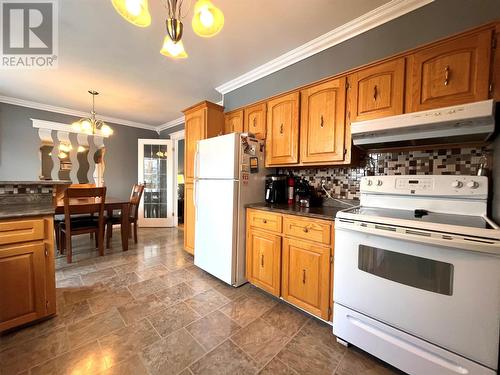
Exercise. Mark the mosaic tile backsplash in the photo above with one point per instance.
(343, 183)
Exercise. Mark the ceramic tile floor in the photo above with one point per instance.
(151, 311)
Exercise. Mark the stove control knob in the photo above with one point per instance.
(369, 182)
(457, 184)
(472, 184)
(379, 182)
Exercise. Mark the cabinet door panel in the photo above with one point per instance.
(306, 276)
(22, 276)
(195, 130)
(283, 130)
(453, 72)
(377, 91)
(189, 218)
(233, 122)
(264, 260)
(255, 120)
(322, 128)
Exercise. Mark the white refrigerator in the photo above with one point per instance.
(229, 173)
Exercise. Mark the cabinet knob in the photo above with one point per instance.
(321, 124)
(264, 221)
(306, 230)
(375, 93)
(446, 75)
(281, 129)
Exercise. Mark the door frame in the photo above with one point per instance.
(160, 222)
(175, 137)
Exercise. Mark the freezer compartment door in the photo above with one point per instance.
(215, 227)
(218, 157)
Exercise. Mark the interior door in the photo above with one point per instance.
(156, 170)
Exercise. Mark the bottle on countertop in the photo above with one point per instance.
(291, 188)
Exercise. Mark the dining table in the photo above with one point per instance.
(110, 204)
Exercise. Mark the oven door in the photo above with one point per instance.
(446, 296)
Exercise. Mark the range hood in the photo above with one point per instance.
(472, 122)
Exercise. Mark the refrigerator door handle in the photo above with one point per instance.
(196, 162)
(195, 197)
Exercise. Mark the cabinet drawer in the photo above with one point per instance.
(264, 220)
(21, 231)
(307, 229)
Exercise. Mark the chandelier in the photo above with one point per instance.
(91, 125)
(207, 21)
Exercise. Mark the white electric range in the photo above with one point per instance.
(417, 274)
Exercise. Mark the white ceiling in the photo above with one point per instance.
(100, 50)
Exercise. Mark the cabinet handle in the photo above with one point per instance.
(281, 129)
(446, 75)
(321, 124)
(375, 93)
(306, 230)
(254, 122)
(303, 276)
(262, 260)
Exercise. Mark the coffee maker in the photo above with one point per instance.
(276, 188)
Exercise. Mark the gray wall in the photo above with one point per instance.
(436, 20)
(19, 146)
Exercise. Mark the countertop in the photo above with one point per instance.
(37, 182)
(321, 212)
(15, 211)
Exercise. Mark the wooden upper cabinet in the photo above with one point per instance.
(263, 252)
(322, 127)
(194, 131)
(202, 121)
(377, 91)
(282, 142)
(233, 122)
(453, 72)
(254, 120)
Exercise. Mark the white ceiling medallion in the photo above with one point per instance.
(71, 112)
(368, 21)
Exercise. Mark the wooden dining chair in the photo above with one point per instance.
(74, 224)
(135, 200)
(60, 219)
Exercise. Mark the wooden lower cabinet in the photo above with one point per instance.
(189, 218)
(293, 260)
(27, 276)
(263, 252)
(306, 276)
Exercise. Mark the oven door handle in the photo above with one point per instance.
(486, 246)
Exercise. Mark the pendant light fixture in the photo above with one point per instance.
(134, 11)
(208, 20)
(91, 125)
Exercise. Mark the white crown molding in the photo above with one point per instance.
(71, 112)
(170, 124)
(57, 126)
(368, 21)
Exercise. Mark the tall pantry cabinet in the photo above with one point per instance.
(203, 120)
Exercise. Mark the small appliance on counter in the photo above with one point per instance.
(276, 188)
